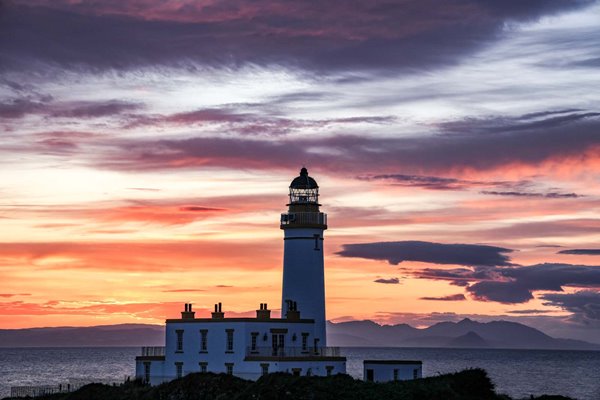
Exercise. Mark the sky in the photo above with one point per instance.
(147, 148)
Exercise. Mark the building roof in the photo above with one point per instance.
(304, 181)
(392, 362)
(230, 320)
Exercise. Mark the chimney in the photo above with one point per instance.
(218, 313)
(264, 312)
(188, 313)
(292, 311)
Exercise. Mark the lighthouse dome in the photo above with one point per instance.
(303, 181)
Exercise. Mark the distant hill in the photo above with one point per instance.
(93, 336)
(466, 333)
(470, 339)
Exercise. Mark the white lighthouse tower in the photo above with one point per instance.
(303, 267)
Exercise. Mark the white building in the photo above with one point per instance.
(250, 347)
(392, 370)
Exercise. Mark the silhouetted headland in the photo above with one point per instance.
(472, 384)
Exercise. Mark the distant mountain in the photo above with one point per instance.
(470, 339)
(466, 333)
(93, 336)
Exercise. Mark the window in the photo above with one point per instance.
(229, 368)
(204, 340)
(179, 347)
(147, 372)
(305, 341)
(265, 368)
(415, 373)
(253, 341)
(203, 366)
(178, 369)
(395, 374)
(317, 238)
(229, 340)
(329, 369)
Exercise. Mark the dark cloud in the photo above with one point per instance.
(436, 253)
(549, 195)
(475, 147)
(428, 182)
(516, 284)
(200, 209)
(584, 303)
(452, 297)
(529, 312)
(587, 252)
(393, 281)
(90, 109)
(21, 107)
(243, 119)
(18, 108)
(317, 35)
(445, 183)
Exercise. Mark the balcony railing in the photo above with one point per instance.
(153, 351)
(303, 218)
(283, 352)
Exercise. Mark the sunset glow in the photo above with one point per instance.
(146, 154)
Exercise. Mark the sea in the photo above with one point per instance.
(517, 373)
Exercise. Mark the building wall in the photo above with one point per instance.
(385, 372)
(217, 355)
(304, 276)
(157, 375)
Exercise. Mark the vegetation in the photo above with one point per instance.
(471, 384)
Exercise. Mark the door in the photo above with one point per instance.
(278, 344)
(370, 375)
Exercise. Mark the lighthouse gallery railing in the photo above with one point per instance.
(304, 218)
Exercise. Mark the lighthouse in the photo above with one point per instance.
(303, 266)
(250, 347)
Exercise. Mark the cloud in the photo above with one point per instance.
(200, 209)
(452, 297)
(549, 195)
(7, 295)
(428, 182)
(46, 106)
(392, 281)
(587, 252)
(151, 257)
(512, 285)
(444, 183)
(471, 145)
(260, 120)
(182, 290)
(564, 228)
(584, 304)
(320, 36)
(436, 253)
(529, 312)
